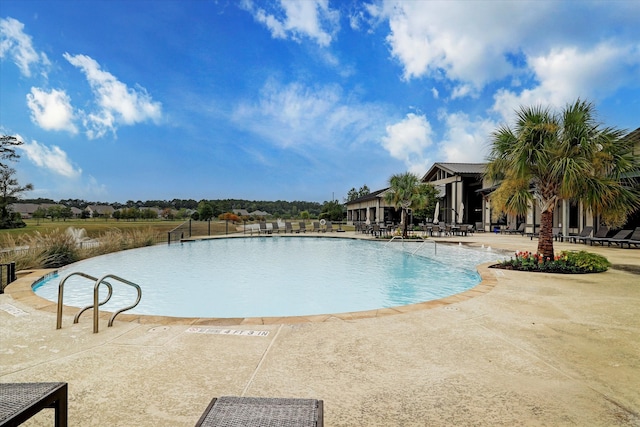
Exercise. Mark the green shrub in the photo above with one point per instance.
(565, 262)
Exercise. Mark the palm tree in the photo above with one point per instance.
(548, 157)
(405, 191)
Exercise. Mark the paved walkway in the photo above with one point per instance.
(536, 349)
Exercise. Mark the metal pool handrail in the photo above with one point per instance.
(61, 294)
(96, 305)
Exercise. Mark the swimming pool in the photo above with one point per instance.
(274, 276)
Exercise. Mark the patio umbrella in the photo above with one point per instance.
(460, 212)
(436, 213)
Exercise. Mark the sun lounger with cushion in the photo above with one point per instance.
(231, 411)
(620, 235)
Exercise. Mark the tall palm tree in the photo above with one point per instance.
(405, 191)
(548, 157)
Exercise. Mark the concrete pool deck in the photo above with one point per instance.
(533, 349)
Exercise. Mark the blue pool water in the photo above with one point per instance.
(275, 276)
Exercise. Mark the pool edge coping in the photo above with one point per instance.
(22, 291)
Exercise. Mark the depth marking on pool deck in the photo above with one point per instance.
(13, 310)
(238, 332)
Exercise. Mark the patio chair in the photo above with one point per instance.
(316, 226)
(275, 228)
(479, 227)
(556, 233)
(622, 234)
(328, 227)
(287, 227)
(586, 232)
(600, 234)
(634, 239)
(262, 411)
(303, 227)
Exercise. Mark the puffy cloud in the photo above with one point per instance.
(51, 158)
(51, 110)
(295, 19)
(466, 139)
(565, 74)
(14, 43)
(408, 140)
(462, 41)
(118, 103)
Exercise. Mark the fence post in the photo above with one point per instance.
(12, 268)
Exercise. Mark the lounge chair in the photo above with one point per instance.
(262, 411)
(513, 230)
(620, 241)
(634, 239)
(287, 227)
(275, 228)
(556, 233)
(479, 227)
(586, 232)
(303, 227)
(600, 234)
(264, 229)
(316, 226)
(622, 234)
(328, 227)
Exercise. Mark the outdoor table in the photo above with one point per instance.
(21, 401)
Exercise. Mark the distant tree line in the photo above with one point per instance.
(207, 209)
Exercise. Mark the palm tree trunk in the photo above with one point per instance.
(404, 224)
(545, 241)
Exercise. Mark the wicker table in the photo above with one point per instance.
(21, 401)
(229, 411)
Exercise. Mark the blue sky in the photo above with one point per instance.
(290, 100)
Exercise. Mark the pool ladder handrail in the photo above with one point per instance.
(435, 247)
(96, 303)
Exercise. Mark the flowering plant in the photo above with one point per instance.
(564, 262)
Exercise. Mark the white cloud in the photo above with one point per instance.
(408, 140)
(295, 19)
(51, 110)
(118, 103)
(51, 158)
(15, 44)
(294, 115)
(463, 41)
(466, 140)
(565, 74)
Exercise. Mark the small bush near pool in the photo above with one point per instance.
(570, 262)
